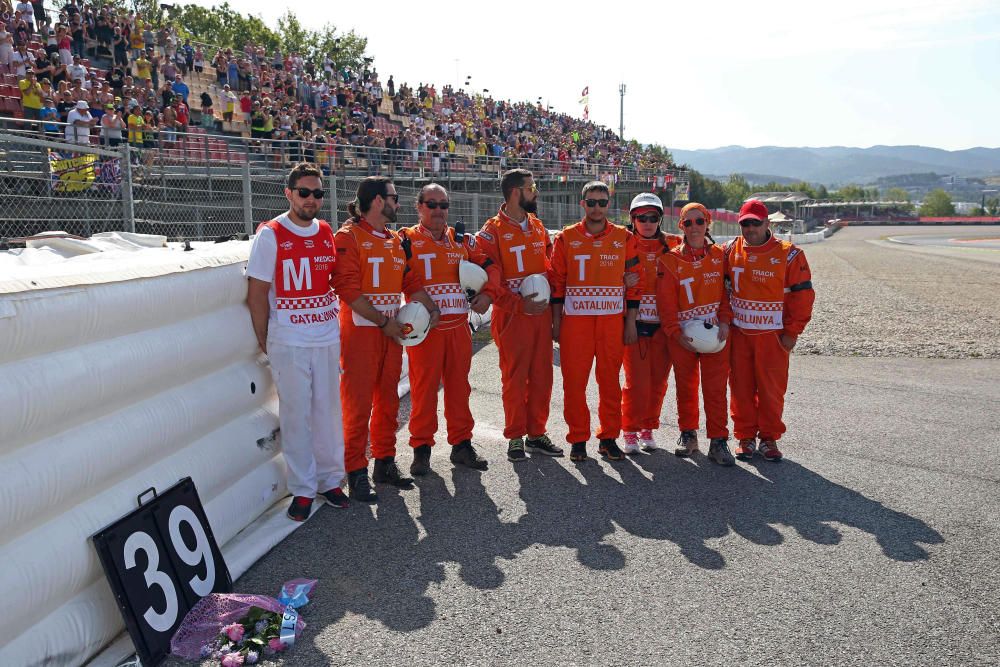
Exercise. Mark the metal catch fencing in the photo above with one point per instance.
(207, 187)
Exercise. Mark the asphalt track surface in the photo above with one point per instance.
(874, 542)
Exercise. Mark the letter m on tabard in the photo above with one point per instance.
(296, 278)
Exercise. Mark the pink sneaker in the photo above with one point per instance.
(646, 438)
(631, 444)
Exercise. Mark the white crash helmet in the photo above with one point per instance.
(536, 283)
(646, 199)
(415, 322)
(472, 277)
(704, 336)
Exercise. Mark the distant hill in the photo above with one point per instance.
(839, 165)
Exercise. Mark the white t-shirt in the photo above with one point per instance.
(263, 257)
(80, 135)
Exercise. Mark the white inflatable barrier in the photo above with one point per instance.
(797, 239)
(121, 370)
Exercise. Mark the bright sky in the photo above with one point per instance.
(707, 74)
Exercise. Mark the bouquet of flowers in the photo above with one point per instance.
(243, 642)
(237, 629)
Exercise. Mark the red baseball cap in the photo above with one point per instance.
(753, 209)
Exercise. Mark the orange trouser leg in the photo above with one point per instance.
(771, 371)
(577, 349)
(758, 381)
(742, 384)
(368, 393)
(525, 346)
(426, 367)
(647, 366)
(610, 352)
(714, 375)
(686, 381)
(457, 365)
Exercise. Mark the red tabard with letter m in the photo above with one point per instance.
(302, 293)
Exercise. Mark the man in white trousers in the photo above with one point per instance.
(294, 313)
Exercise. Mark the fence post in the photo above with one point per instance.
(247, 198)
(128, 203)
(477, 219)
(334, 205)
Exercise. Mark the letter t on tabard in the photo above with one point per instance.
(375, 261)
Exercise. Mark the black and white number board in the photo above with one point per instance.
(160, 559)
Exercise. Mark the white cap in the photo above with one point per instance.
(82, 104)
(646, 199)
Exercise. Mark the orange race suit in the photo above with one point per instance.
(587, 275)
(445, 355)
(771, 293)
(691, 286)
(647, 363)
(370, 264)
(523, 341)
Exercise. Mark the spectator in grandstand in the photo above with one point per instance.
(31, 95)
(136, 124)
(6, 46)
(79, 121)
(207, 111)
(180, 88)
(27, 12)
(119, 44)
(168, 127)
(111, 126)
(183, 114)
(199, 60)
(229, 101)
(49, 112)
(77, 70)
(151, 129)
(22, 59)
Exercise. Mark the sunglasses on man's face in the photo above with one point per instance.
(443, 205)
(530, 188)
(591, 203)
(305, 192)
(393, 197)
(648, 217)
(747, 223)
(694, 221)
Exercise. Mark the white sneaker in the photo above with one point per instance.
(631, 444)
(646, 437)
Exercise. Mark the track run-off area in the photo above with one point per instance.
(874, 542)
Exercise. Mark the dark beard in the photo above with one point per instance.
(529, 206)
(389, 215)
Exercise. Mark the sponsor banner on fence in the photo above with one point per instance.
(79, 172)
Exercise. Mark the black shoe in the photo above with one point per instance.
(609, 449)
(387, 472)
(463, 454)
(542, 445)
(515, 450)
(300, 508)
(359, 488)
(578, 453)
(421, 460)
(335, 497)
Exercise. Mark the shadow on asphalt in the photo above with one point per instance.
(386, 559)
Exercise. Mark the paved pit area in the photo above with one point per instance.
(874, 542)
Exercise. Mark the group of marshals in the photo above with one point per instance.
(323, 306)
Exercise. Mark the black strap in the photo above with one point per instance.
(801, 286)
(629, 263)
(406, 244)
(459, 230)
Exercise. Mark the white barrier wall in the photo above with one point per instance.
(116, 374)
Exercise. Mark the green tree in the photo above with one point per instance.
(937, 203)
(896, 194)
(707, 191)
(851, 193)
(992, 206)
(822, 192)
(736, 190)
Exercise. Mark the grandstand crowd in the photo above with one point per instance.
(111, 77)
